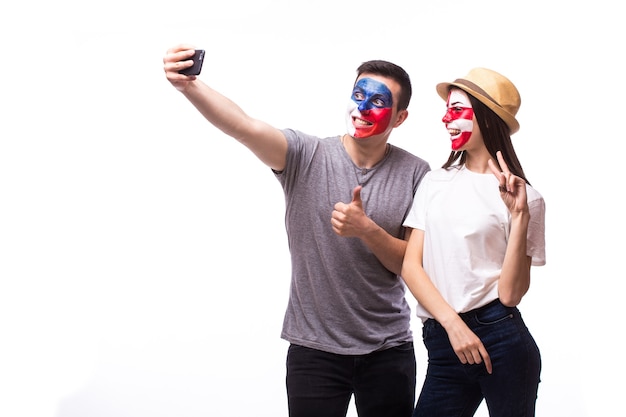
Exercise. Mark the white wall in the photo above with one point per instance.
(143, 260)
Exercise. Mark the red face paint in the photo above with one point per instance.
(370, 109)
(459, 118)
(377, 122)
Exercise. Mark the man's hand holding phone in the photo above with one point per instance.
(182, 64)
(196, 67)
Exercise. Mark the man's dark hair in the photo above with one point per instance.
(393, 71)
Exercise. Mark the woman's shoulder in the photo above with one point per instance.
(444, 174)
(533, 196)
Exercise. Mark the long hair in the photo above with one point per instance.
(497, 137)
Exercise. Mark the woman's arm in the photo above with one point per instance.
(515, 276)
(467, 346)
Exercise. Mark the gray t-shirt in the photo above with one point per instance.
(342, 299)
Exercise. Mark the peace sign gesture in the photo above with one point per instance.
(512, 188)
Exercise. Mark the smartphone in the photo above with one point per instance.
(198, 59)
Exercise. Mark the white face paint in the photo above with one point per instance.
(370, 110)
(459, 118)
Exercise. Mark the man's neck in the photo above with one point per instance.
(365, 153)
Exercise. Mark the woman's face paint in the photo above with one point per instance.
(459, 119)
(370, 108)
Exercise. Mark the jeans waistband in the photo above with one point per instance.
(487, 306)
(493, 305)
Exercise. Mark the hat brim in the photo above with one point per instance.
(444, 88)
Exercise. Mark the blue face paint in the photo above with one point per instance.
(370, 94)
(370, 110)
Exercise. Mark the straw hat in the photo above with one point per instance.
(492, 89)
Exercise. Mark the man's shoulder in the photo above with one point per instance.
(298, 134)
(403, 154)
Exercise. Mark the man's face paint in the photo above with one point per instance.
(459, 118)
(370, 110)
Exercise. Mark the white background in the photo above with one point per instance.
(143, 258)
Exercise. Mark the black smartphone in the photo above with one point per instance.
(198, 59)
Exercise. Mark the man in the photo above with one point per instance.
(347, 320)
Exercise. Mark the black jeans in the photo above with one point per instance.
(320, 384)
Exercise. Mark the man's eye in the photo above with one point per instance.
(358, 96)
(378, 102)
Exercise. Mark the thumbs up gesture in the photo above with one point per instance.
(350, 220)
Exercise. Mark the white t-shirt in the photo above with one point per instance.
(466, 229)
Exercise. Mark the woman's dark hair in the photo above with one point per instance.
(496, 135)
(393, 71)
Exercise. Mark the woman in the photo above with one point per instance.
(478, 226)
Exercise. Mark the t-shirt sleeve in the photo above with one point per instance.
(536, 244)
(295, 143)
(416, 219)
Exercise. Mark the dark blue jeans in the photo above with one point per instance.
(320, 384)
(452, 389)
